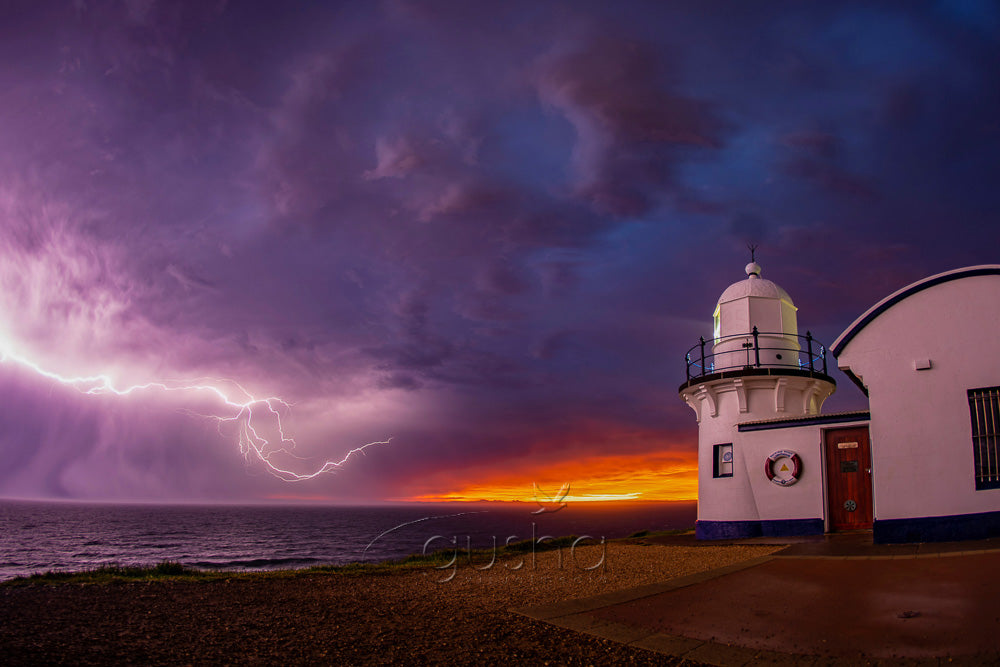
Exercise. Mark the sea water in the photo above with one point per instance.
(68, 536)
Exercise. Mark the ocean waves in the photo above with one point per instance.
(61, 536)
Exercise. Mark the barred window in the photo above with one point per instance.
(984, 405)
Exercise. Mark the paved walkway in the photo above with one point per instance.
(822, 600)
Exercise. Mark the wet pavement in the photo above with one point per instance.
(834, 599)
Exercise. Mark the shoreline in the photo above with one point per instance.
(114, 571)
(394, 615)
(119, 571)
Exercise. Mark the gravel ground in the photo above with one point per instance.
(426, 616)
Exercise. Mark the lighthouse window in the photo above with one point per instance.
(722, 465)
(984, 406)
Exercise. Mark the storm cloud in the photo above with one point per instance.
(488, 231)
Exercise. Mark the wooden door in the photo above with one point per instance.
(849, 478)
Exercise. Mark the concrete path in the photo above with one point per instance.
(824, 600)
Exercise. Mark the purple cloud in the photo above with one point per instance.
(489, 232)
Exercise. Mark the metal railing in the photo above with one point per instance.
(701, 362)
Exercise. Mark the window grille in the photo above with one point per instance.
(984, 406)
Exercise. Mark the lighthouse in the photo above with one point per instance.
(920, 464)
(756, 369)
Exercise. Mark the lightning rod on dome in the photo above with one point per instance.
(753, 268)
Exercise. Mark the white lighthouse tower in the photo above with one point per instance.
(756, 368)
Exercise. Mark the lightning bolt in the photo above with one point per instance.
(247, 411)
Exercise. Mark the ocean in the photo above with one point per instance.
(67, 536)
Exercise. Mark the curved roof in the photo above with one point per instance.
(754, 286)
(894, 298)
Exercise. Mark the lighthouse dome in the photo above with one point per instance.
(758, 308)
(754, 286)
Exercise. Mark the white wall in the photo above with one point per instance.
(732, 499)
(802, 500)
(748, 495)
(921, 431)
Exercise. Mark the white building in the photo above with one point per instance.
(923, 464)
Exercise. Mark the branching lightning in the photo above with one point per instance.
(247, 411)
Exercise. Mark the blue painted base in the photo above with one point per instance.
(937, 528)
(735, 530)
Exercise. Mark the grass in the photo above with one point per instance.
(661, 533)
(170, 570)
(443, 557)
(114, 573)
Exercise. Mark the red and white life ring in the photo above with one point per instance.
(774, 458)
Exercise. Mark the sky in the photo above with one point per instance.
(488, 231)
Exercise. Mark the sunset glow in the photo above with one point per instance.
(593, 479)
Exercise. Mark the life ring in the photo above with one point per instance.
(783, 454)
